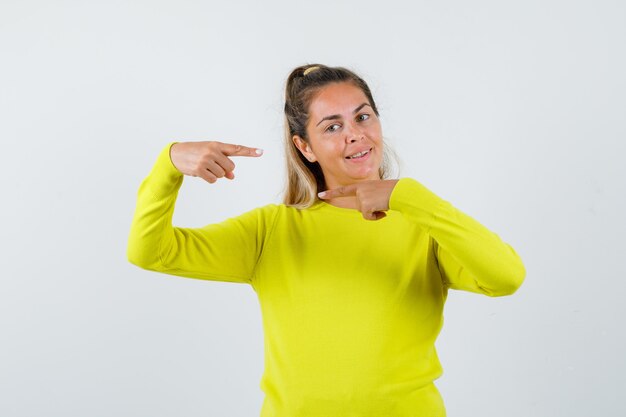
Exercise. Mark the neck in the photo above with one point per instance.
(343, 202)
(349, 202)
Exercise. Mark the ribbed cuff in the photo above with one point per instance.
(165, 177)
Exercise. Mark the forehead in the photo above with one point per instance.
(336, 98)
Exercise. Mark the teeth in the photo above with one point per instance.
(357, 155)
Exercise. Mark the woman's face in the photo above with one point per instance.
(345, 135)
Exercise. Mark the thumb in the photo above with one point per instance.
(376, 215)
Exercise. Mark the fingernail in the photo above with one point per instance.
(259, 151)
(321, 194)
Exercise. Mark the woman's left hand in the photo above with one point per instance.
(372, 197)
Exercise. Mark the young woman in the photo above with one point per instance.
(351, 281)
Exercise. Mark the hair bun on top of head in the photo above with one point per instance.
(310, 69)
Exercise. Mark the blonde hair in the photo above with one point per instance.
(304, 178)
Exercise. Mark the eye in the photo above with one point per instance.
(363, 116)
(330, 128)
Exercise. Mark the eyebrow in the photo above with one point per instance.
(337, 116)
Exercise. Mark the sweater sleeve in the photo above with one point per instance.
(470, 256)
(226, 251)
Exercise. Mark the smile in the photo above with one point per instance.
(359, 154)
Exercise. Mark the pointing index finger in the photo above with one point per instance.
(345, 191)
(240, 150)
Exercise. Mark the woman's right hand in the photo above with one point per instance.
(208, 160)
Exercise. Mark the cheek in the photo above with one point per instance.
(375, 132)
(377, 139)
(325, 152)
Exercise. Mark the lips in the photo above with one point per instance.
(359, 154)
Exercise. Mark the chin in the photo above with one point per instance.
(368, 174)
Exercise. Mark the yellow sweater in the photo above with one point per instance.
(351, 307)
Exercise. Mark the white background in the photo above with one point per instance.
(513, 111)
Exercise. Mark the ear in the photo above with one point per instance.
(304, 148)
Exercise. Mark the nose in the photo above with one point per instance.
(353, 133)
